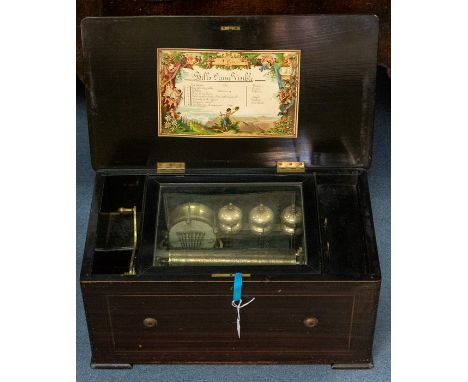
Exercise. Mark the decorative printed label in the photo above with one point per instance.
(228, 94)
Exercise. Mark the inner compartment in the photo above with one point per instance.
(198, 225)
(122, 191)
(119, 219)
(111, 262)
(342, 228)
(115, 230)
(230, 224)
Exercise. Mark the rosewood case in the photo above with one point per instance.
(319, 307)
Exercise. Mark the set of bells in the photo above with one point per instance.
(194, 225)
(261, 219)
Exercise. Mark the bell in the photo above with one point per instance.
(292, 216)
(261, 216)
(192, 226)
(230, 218)
(291, 219)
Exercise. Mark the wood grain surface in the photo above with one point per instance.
(381, 8)
(336, 103)
(196, 322)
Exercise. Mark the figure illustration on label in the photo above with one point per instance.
(227, 122)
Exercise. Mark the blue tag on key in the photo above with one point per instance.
(237, 290)
(237, 299)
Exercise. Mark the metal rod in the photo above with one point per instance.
(131, 268)
(229, 257)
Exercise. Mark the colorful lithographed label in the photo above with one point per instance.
(228, 94)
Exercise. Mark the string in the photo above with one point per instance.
(239, 307)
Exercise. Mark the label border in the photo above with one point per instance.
(158, 100)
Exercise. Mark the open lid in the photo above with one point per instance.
(335, 108)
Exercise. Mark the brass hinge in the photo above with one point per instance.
(288, 167)
(170, 168)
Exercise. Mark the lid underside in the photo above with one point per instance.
(337, 85)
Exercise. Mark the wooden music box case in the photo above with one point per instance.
(231, 220)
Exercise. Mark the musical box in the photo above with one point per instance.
(231, 220)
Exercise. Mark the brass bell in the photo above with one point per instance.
(292, 216)
(291, 219)
(230, 219)
(261, 216)
(192, 226)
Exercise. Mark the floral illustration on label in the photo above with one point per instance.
(228, 94)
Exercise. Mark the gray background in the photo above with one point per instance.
(379, 183)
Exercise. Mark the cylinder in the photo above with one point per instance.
(229, 257)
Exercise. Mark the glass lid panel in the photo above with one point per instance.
(227, 225)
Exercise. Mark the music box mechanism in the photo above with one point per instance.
(230, 224)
